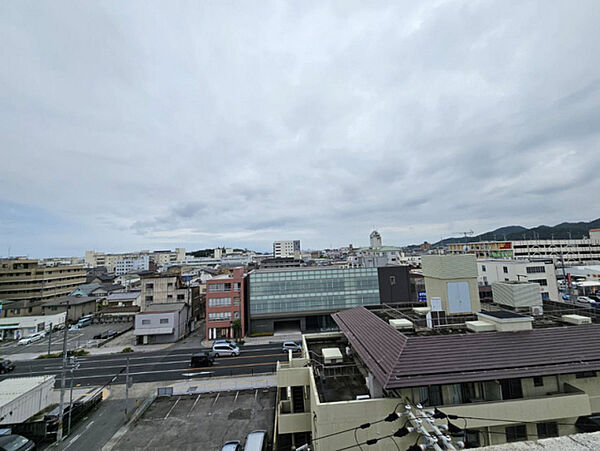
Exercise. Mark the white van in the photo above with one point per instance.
(256, 441)
(225, 349)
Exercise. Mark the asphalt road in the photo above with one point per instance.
(154, 366)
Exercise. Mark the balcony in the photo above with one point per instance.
(544, 408)
(293, 373)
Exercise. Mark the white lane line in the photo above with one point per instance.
(171, 409)
(195, 402)
(73, 440)
(216, 399)
(236, 396)
(89, 424)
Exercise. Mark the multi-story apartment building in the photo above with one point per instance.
(141, 263)
(94, 259)
(284, 249)
(26, 279)
(168, 288)
(572, 251)
(487, 388)
(225, 304)
(304, 298)
(542, 272)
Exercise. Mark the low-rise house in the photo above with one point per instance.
(75, 306)
(25, 307)
(124, 299)
(162, 323)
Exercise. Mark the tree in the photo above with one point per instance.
(237, 327)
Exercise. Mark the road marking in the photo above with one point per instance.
(171, 409)
(73, 440)
(196, 374)
(216, 399)
(195, 402)
(236, 396)
(89, 424)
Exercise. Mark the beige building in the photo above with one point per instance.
(27, 279)
(75, 306)
(165, 288)
(452, 281)
(94, 259)
(487, 388)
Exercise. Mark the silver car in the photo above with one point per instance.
(291, 346)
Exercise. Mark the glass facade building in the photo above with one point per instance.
(307, 290)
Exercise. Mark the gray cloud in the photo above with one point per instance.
(145, 125)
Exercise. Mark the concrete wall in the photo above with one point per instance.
(439, 288)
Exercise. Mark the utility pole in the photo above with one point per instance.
(126, 387)
(50, 339)
(59, 432)
(74, 366)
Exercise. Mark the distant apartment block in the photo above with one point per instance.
(282, 249)
(27, 279)
(573, 251)
(109, 261)
(540, 271)
(141, 263)
(225, 296)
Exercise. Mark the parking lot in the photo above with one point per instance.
(201, 421)
(81, 338)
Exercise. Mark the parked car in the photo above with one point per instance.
(15, 442)
(225, 349)
(585, 299)
(74, 327)
(85, 321)
(291, 346)
(6, 366)
(232, 445)
(201, 359)
(256, 441)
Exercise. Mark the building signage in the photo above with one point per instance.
(422, 296)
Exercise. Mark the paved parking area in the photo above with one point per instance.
(75, 339)
(201, 421)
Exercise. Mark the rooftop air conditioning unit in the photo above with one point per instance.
(537, 310)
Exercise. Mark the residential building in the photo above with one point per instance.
(225, 304)
(572, 251)
(162, 323)
(497, 386)
(23, 397)
(165, 288)
(109, 261)
(124, 299)
(21, 308)
(303, 298)
(97, 290)
(75, 306)
(126, 265)
(540, 271)
(282, 249)
(451, 283)
(22, 278)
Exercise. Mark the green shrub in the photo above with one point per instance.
(240, 341)
(127, 349)
(57, 355)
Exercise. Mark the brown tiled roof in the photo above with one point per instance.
(399, 361)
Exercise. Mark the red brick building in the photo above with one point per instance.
(225, 304)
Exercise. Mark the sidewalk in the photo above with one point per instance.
(225, 383)
(271, 339)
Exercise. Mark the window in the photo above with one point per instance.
(145, 321)
(216, 287)
(505, 269)
(170, 285)
(431, 395)
(219, 302)
(516, 433)
(150, 286)
(392, 280)
(180, 297)
(546, 430)
(236, 286)
(219, 316)
(483, 268)
(585, 374)
(164, 320)
(534, 269)
(148, 298)
(169, 296)
(511, 388)
(542, 282)
(236, 300)
(538, 381)
(236, 315)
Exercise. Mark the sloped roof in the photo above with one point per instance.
(399, 361)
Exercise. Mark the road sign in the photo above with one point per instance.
(422, 296)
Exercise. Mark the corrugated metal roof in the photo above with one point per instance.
(399, 361)
(14, 387)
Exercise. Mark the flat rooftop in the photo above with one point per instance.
(11, 389)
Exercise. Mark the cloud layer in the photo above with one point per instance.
(130, 125)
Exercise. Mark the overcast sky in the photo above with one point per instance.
(151, 125)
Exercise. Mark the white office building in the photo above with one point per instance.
(540, 271)
(286, 249)
(126, 265)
